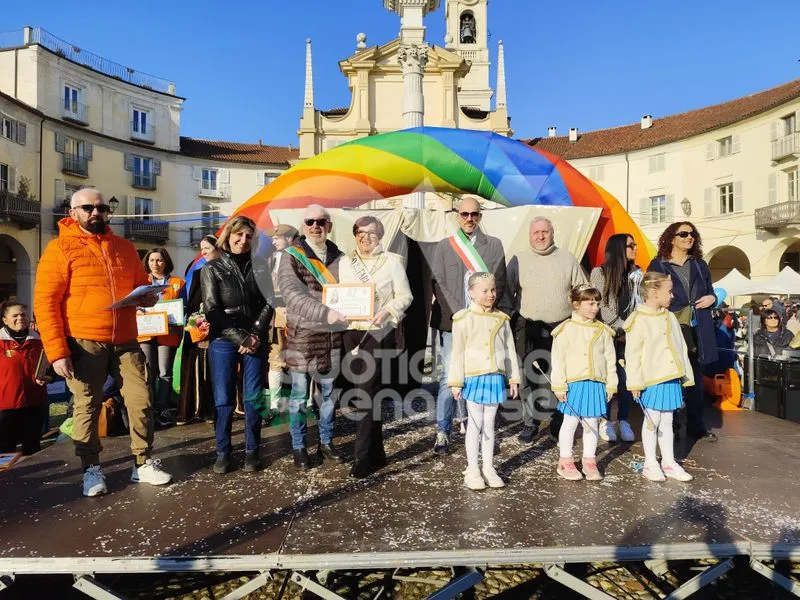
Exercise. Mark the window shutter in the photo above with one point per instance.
(156, 166)
(708, 204)
(710, 151)
(130, 205)
(773, 188)
(645, 211)
(738, 200)
(670, 211)
(261, 177)
(22, 133)
(774, 130)
(157, 211)
(61, 192)
(61, 141)
(651, 165)
(736, 144)
(129, 161)
(197, 173)
(797, 120)
(12, 179)
(224, 176)
(87, 150)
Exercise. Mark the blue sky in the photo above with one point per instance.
(579, 63)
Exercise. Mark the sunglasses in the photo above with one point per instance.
(684, 234)
(320, 222)
(466, 215)
(632, 246)
(768, 317)
(88, 208)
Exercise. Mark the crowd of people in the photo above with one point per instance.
(533, 328)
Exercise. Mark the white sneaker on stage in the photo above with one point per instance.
(675, 471)
(94, 482)
(653, 472)
(492, 478)
(626, 432)
(608, 433)
(150, 472)
(473, 479)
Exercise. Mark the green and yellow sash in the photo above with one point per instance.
(315, 266)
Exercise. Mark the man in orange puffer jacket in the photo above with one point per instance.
(81, 273)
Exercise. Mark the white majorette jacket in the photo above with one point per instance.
(655, 351)
(482, 344)
(581, 351)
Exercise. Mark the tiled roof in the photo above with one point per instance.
(335, 112)
(629, 138)
(236, 152)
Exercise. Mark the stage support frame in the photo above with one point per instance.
(701, 580)
(458, 585)
(557, 573)
(789, 585)
(251, 586)
(6, 581)
(313, 587)
(86, 583)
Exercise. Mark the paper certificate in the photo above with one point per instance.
(152, 323)
(173, 308)
(133, 298)
(356, 301)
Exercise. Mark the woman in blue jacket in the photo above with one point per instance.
(680, 255)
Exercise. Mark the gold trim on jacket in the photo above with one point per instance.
(597, 363)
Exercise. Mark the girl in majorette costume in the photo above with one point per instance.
(658, 368)
(584, 379)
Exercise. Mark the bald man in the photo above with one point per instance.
(468, 251)
(81, 274)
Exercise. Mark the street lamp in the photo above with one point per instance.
(686, 207)
(113, 203)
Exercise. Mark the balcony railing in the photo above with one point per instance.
(778, 215)
(145, 181)
(146, 133)
(220, 192)
(59, 212)
(150, 231)
(77, 112)
(788, 145)
(196, 234)
(75, 164)
(24, 213)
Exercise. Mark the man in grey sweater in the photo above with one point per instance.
(538, 282)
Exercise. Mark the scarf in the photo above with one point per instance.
(547, 251)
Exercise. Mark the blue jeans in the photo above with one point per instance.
(444, 398)
(224, 356)
(298, 426)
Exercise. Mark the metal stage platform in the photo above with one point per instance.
(415, 512)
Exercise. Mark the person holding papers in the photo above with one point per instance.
(160, 350)
(81, 274)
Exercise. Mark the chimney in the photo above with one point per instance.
(647, 122)
(259, 142)
(573, 134)
(551, 132)
(27, 35)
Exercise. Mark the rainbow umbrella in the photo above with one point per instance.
(436, 159)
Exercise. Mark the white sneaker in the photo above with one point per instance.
(653, 472)
(150, 472)
(462, 428)
(626, 432)
(607, 431)
(675, 471)
(94, 482)
(492, 478)
(473, 479)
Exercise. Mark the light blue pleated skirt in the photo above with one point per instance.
(587, 397)
(485, 389)
(664, 396)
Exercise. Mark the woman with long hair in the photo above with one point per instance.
(773, 337)
(680, 255)
(236, 304)
(617, 281)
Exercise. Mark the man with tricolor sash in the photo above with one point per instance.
(314, 331)
(456, 257)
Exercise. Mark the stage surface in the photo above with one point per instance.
(414, 512)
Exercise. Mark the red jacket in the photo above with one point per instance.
(18, 388)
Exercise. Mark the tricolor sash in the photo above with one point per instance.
(466, 251)
(315, 266)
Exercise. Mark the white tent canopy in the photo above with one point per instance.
(785, 283)
(735, 284)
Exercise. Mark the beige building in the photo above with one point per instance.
(732, 169)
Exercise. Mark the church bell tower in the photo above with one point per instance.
(468, 35)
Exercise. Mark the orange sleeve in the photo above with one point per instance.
(52, 281)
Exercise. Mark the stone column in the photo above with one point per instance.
(413, 58)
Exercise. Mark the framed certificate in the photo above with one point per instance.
(173, 308)
(356, 301)
(152, 323)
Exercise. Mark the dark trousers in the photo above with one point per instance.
(694, 396)
(364, 374)
(534, 342)
(21, 426)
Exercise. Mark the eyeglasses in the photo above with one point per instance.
(372, 234)
(632, 246)
(769, 317)
(684, 234)
(466, 215)
(321, 222)
(88, 208)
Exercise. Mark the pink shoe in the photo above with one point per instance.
(589, 468)
(675, 471)
(566, 468)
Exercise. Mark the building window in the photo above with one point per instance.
(789, 124)
(726, 199)
(725, 146)
(143, 172)
(208, 182)
(657, 163)
(7, 128)
(658, 209)
(3, 177)
(597, 173)
(141, 122)
(143, 208)
(269, 178)
(793, 188)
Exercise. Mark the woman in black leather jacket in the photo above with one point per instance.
(235, 301)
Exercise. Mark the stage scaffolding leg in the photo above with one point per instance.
(789, 585)
(701, 580)
(313, 587)
(94, 589)
(557, 573)
(459, 584)
(250, 586)
(6, 581)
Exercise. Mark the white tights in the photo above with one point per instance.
(566, 436)
(480, 434)
(657, 427)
